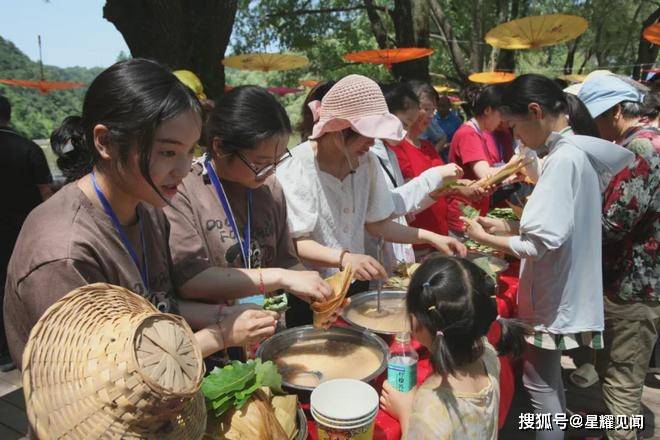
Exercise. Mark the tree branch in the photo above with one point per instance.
(321, 11)
(457, 54)
(377, 26)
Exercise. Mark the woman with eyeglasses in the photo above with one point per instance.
(229, 237)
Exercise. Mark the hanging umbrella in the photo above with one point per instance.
(573, 77)
(492, 77)
(444, 89)
(266, 62)
(388, 56)
(537, 31)
(308, 83)
(283, 90)
(42, 84)
(652, 33)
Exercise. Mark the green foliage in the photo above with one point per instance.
(233, 385)
(35, 115)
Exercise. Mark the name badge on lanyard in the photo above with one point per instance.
(143, 269)
(245, 240)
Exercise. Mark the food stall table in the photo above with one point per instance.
(388, 428)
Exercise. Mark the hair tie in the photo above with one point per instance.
(315, 107)
(439, 333)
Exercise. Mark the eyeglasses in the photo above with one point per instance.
(263, 172)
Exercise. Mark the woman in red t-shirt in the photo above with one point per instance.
(415, 106)
(475, 149)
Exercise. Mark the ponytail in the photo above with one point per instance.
(512, 339)
(74, 157)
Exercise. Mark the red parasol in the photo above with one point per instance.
(388, 56)
(283, 90)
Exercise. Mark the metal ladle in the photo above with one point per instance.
(379, 283)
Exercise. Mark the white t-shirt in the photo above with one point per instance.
(330, 211)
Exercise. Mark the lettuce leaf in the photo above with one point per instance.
(233, 385)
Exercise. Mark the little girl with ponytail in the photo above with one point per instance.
(451, 310)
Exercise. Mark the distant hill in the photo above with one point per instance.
(33, 114)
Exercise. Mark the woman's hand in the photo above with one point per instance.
(446, 245)
(246, 324)
(473, 229)
(365, 268)
(306, 285)
(493, 225)
(450, 172)
(335, 315)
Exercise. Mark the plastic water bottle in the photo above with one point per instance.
(402, 363)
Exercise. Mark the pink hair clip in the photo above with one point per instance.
(439, 333)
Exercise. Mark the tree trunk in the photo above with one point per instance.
(411, 26)
(182, 34)
(506, 59)
(570, 56)
(476, 38)
(647, 52)
(457, 54)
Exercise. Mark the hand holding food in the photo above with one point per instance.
(243, 326)
(365, 267)
(306, 285)
(327, 311)
(473, 228)
(493, 225)
(450, 172)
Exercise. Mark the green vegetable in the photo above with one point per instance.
(471, 244)
(276, 303)
(503, 213)
(233, 385)
(469, 211)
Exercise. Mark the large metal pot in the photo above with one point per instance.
(364, 297)
(274, 345)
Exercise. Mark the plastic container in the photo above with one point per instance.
(402, 364)
(344, 408)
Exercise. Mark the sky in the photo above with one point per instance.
(73, 32)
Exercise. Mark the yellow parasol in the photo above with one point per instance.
(266, 62)
(537, 31)
(444, 89)
(573, 77)
(652, 33)
(492, 77)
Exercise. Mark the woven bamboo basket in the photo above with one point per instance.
(102, 362)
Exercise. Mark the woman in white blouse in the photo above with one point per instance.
(558, 237)
(335, 188)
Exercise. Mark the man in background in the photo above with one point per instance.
(25, 181)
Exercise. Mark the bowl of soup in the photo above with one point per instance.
(363, 313)
(307, 356)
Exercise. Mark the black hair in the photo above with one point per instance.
(132, 98)
(579, 117)
(307, 118)
(652, 105)
(424, 88)
(399, 97)
(5, 109)
(244, 117)
(479, 98)
(452, 299)
(529, 88)
(65, 143)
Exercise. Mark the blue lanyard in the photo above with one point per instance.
(244, 243)
(142, 268)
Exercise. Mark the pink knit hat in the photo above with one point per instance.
(356, 102)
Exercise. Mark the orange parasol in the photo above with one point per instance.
(308, 83)
(388, 56)
(492, 77)
(266, 62)
(41, 84)
(652, 33)
(537, 31)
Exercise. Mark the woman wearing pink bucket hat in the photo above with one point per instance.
(334, 186)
